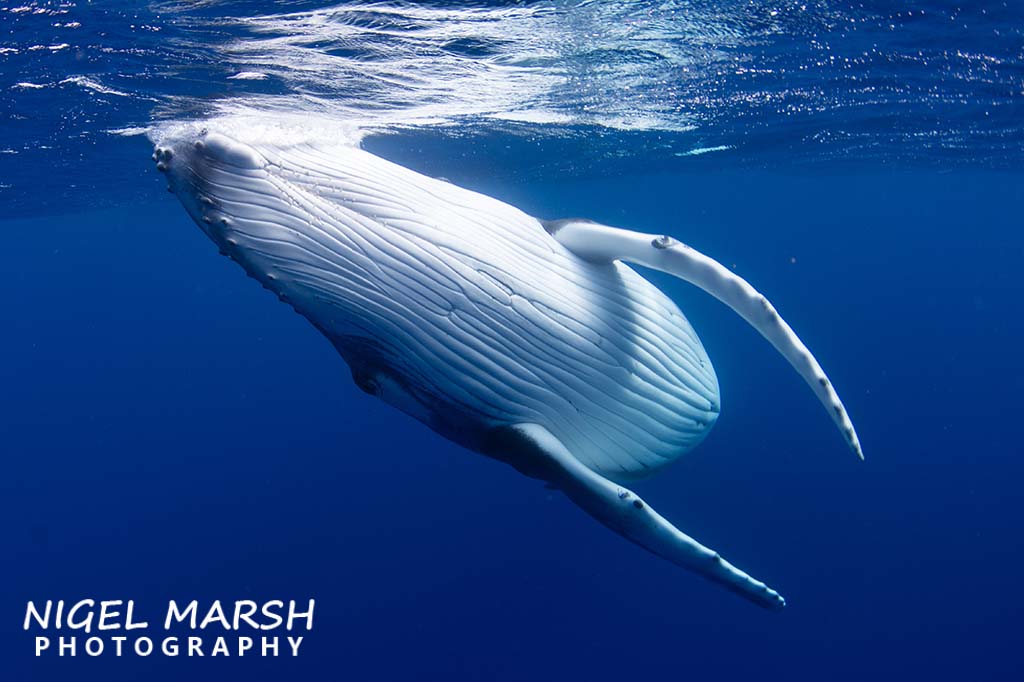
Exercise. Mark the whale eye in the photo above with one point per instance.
(367, 383)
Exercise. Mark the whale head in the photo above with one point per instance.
(249, 208)
(192, 160)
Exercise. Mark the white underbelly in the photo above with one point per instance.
(480, 311)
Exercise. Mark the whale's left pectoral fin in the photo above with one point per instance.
(624, 512)
(601, 243)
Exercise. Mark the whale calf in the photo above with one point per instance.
(532, 342)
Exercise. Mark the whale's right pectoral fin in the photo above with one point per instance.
(625, 513)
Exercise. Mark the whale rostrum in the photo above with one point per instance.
(529, 341)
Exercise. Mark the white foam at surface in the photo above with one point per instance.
(385, 67)
(248, 76)
(90, 84)
(262, 128)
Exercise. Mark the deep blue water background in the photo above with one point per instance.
(172, 432)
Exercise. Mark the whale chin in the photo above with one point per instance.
(193, 161)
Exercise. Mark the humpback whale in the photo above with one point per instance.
(529, 341)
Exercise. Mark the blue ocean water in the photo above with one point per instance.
(173, 432)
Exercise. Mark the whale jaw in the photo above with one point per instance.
(190, 161)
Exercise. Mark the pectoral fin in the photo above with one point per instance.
(624, 512)
(602, 243)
